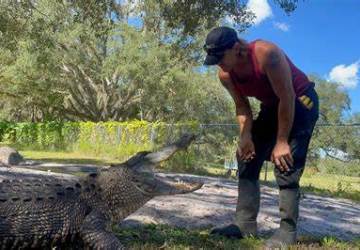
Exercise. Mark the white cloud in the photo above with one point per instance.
(281, 26)
(261, 9)
(346, 76)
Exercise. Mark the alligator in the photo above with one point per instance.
(46, 212)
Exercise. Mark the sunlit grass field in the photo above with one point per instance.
(340, 186)
(325, 184)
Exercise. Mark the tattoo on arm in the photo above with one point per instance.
(274, 59)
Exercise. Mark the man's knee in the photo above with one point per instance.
(288, 180)
(251, 170)
(291, 179)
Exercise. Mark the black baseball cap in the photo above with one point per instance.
(217, 41)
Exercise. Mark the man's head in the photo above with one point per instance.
(222, 46)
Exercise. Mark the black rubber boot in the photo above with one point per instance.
(289, 212)
(248, 206)
(246, 212)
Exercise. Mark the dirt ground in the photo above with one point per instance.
(214, 205)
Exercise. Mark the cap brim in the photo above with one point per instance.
(212, 60)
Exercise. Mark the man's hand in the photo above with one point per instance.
(246, 149)
(281, 156)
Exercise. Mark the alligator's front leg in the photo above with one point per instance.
(96, 236)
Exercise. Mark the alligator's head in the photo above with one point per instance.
(148, 181)
(128, 186)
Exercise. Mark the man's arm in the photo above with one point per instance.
(242, 106)
(243, 115)
(278, 71)
(279, 74)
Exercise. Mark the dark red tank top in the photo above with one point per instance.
(259, 86)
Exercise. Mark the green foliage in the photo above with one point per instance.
(288, 5)
(47, 135)
(192, 15)
(330, 242)
(121, 139)
(60, 61)
(334, 108)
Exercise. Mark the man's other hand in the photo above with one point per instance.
(281, 156)
(246, 149)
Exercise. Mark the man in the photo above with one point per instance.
(281, 133)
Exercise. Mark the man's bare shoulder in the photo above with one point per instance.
(263, 46)
(263, 50)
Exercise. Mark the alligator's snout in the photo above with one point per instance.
(182, 188)
(169, 186)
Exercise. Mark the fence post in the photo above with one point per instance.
(266, 168)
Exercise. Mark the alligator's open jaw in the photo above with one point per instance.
(145, 162)
(168, 186)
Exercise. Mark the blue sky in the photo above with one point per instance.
(321, 37)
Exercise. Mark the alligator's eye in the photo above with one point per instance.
(147, 175)
(148, 187)
(15, 199)
(70, 189)
(93, 175)
(136, 180)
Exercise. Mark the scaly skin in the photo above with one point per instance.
(46, 211)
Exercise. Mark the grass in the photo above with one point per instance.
(333, 185)
(339, 186)
(165, 237)
(66, 157)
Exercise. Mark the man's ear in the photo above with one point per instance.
(237, 47)
(240, 48)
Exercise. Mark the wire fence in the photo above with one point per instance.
(334, 148)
